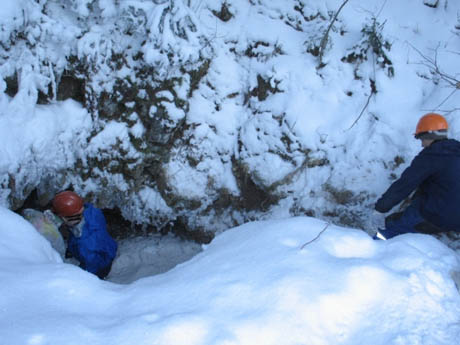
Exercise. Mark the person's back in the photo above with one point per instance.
(94, 248)
(441, 190)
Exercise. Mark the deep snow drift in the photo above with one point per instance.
(292, 281)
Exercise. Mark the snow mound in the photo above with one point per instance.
(20, 242)
(293, 281)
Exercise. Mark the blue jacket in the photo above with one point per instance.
(95, 249)
(436, 172)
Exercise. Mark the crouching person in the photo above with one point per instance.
(86, 230)
(434, 174)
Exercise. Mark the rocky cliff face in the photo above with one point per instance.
(191, 128)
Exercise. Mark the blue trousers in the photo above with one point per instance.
(406, 223)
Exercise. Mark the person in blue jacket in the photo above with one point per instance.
(88, 240)
(435, 176)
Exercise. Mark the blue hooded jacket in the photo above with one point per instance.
(95, 249)
(436, 172)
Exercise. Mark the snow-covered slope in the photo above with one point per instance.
(212, 113)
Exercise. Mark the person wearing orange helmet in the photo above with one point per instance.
(434, 175)
(88, 240)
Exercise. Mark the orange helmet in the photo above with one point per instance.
(431, 122)
(67, 204)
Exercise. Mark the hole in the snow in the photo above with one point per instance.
(142, 250)
(145, 250)
(144, 256)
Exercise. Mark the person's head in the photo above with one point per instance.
(69, 206)
(431, 127)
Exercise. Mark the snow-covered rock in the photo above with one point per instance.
(212, 113)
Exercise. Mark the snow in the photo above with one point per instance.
(328, 112)
(280, 281)
(146, 256)
(46, 139)
(291, 281)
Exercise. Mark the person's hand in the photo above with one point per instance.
(380, 206)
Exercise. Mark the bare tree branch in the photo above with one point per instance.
(323, 43)
(448, 111)
(373, 92)
(433, 66)
(362, 111)
(445, 100)
(317, 236)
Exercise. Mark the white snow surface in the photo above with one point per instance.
(292, 281)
